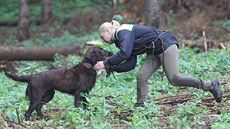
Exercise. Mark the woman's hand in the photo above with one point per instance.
(99, 65)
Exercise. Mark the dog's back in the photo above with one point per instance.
(68, 80)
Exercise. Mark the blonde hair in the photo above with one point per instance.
(109, 25)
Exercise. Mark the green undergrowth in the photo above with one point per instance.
(111, 100)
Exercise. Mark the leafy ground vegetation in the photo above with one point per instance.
(111, 100)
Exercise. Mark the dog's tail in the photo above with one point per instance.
(21, 78)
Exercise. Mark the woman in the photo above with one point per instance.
(161, 48)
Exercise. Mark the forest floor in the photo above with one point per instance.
(191, 31)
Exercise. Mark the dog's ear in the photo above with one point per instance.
(87, 65)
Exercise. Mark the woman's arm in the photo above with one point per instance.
(127, 65)
(126, 40)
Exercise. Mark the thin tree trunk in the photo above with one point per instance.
(12, 53)
(23, 25)
(46, 11)
(228, 14)
(152, 13)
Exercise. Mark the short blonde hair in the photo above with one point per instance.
(109, 25)
(104, 26)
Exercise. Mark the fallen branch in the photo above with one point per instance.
(222, 46)
(175, 101)
(9, 121)
(6, 126)
(13, 53)
(174, 97)
(14, 23)
(212, 98)
(208, 104)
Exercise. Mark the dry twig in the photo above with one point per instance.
(212, 98)
(205, 41)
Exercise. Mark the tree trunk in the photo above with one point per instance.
(152, 13)
(228, 14)
(11, 23)
(23, 25)
(8, 23)
(46, 11)
(12, 53)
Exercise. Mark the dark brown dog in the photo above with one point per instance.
(73, 81)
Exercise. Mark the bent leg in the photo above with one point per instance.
(171, 67)
(45, 99)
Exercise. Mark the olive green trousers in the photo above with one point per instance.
(169, 59)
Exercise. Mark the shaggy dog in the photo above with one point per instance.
(80, 78)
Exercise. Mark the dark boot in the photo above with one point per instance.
(215, 90)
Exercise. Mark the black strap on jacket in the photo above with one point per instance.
(150, 46)
(147, 47)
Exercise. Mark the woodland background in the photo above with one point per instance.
(69, 27)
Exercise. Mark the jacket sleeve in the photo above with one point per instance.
(126, 39)
(128, 65)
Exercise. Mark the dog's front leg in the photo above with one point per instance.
(84, 102)
(77, 99)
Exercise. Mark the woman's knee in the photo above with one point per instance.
(174, 80)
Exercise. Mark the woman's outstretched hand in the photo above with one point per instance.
(99, 65)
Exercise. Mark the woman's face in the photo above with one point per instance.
(106, 36)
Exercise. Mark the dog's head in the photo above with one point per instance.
(95, 54)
